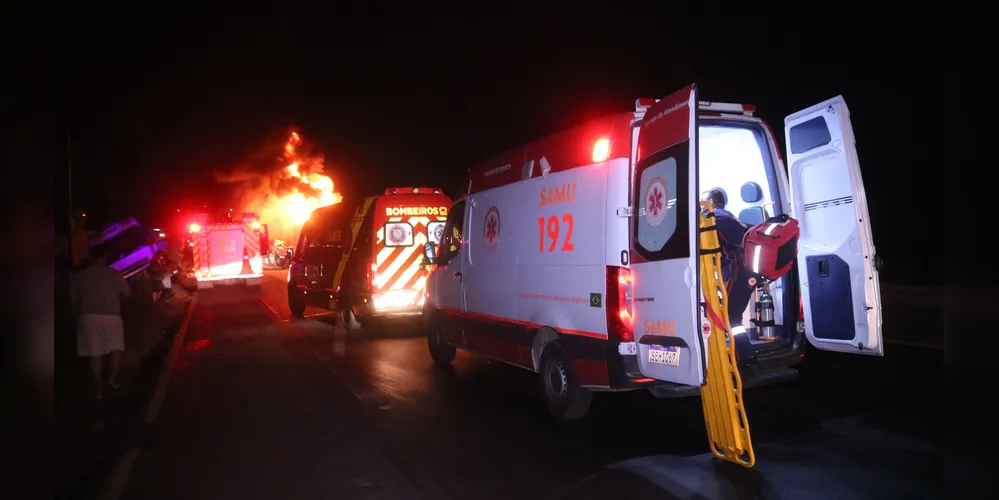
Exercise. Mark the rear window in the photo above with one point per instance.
(326, 230)
(809, 135)
(399, 234)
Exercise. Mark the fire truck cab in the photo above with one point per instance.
(367, 263)
(226, 252)
(577, 256)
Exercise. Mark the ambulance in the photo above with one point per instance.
(226, 252)
(368, 263)
(576, 256)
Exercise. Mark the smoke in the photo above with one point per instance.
(281, 182)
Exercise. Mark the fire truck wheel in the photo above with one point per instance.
(440, 351)
(296, 303)
(563, 395)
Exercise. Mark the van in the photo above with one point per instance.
(576, 256)
(367, 263)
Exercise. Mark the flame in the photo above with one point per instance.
(298, 205)
(285, 198)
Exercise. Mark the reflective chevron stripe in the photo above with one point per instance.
(400, 268)
(355, 228)
(196, 253)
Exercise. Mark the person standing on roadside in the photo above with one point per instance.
(97, 291)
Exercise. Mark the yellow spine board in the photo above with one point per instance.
(721, 394)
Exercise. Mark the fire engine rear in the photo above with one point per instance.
(227, 252)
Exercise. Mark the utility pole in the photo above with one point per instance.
(69, 174)
(69, 188)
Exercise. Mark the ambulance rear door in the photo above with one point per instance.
(837, 263)
(664, 240)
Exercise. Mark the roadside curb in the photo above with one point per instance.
(115, 485)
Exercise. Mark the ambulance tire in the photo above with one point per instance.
(296, 304)
(563, 395)
(440, 351)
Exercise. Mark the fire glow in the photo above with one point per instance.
(285, 195)
(298, 205)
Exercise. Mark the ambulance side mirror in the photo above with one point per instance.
(430, 253)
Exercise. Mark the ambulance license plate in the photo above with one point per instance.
(664, 355)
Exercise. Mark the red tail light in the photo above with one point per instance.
(801, 308)
(620, 313)
(373, 276)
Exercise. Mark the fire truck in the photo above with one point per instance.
(577, 256)
(226, 252)
(368, 263)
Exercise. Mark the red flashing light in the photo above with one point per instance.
(194, 227)
(601, 150)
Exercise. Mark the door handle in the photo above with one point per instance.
(457, 274)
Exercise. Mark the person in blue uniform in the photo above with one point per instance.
(730, 233)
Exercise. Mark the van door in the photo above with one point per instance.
(836, 257)
(450, 282)
(664, 240)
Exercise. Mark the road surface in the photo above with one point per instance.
(261, 405)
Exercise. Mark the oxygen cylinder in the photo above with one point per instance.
(765, 310)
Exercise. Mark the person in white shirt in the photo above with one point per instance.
(97, 291)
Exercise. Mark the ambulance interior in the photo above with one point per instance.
(736, 158)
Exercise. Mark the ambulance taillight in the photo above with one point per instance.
(620, 300)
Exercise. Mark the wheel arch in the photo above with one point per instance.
(542, 337)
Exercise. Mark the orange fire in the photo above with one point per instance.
(300, 203)
(285, 198)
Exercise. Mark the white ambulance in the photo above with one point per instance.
(576, 256)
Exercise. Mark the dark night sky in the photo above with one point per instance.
(153, 107)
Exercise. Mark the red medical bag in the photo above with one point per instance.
(771, 247)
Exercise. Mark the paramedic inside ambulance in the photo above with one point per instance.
(730, 233)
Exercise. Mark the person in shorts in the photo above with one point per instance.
(97, 291)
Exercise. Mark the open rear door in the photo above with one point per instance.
(664, 242)
(836, 269)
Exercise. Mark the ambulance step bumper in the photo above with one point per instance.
(750, 379)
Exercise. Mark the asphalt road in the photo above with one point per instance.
(264, 406)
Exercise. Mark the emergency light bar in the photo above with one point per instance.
(718, 107)
(413, 190)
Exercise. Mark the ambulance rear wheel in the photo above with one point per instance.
(563, 395)
(296, 303)
(440, 351)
